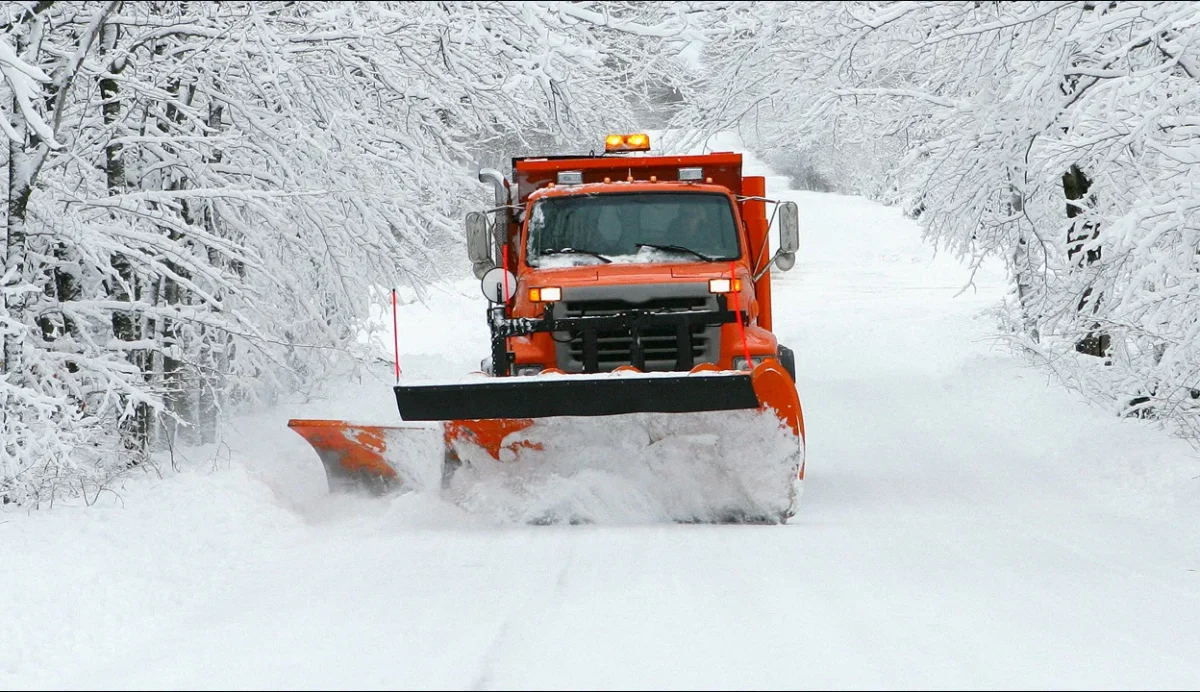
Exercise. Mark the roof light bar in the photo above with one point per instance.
(634, 142)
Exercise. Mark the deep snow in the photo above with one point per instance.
(965, 523)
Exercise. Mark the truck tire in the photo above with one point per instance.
(788, 360)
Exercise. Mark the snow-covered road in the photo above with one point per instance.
(965, 524)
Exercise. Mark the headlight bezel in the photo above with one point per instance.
(545, 294)
(739, 362)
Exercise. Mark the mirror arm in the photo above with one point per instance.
(766, 244)
(767, 268)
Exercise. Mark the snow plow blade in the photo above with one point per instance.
(499, 419)
(575, 395)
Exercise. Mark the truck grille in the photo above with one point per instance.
(659, 345)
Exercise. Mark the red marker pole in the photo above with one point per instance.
(395, 335)
(737, 308)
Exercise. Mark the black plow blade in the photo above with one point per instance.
(568, 395)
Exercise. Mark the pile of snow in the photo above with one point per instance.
(648, 467)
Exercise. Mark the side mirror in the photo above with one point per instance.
(478, 242)
(789, 228)
(789, 236)
(499, 285)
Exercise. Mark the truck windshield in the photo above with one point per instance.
(634, 227)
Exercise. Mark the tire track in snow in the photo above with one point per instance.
(512, 625)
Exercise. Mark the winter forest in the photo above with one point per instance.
(202, 200)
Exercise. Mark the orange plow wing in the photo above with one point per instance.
(366, 457)
(776, 392)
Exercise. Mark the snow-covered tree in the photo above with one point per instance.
(202, 197)
(1058, 136)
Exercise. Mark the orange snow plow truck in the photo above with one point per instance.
(620, 286)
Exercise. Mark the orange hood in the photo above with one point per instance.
(632, 273)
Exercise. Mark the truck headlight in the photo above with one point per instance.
(724, 285)
(529, 369)
(739, 363)
(546, 294)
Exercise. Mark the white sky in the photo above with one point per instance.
(965, 524)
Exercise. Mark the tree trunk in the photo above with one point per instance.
(126, 325)
(60, 285)
(1075, 188)
(23, 164)
(179, 388)
(1023, 269)
(15, 249)
(217, 345)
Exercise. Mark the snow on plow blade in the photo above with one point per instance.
(580, 423)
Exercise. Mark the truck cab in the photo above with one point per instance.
(626, 260)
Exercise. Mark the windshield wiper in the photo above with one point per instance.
(678, 248)
(573, 251)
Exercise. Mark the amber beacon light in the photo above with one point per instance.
(635, 142)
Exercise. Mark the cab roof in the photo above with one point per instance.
(620, 186)
(718, 170)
